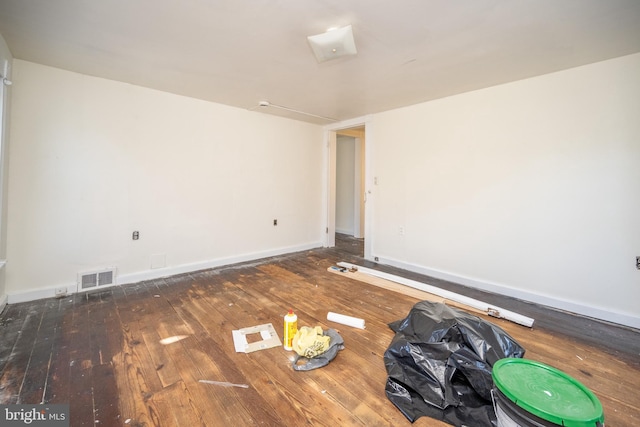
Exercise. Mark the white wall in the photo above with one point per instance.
(345, 181)
(6, 61)
(530, 188)
(92, 160)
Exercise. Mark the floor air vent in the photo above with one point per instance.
(94, 279)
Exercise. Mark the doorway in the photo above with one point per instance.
(348, 198)
(349, 178)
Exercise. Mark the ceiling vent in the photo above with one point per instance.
(94, 279)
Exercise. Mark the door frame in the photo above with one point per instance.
(329, 182)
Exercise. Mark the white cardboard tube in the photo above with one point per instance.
(346, 320)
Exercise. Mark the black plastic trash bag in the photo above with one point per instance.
(439, 364)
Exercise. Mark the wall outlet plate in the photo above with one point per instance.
(61, 291)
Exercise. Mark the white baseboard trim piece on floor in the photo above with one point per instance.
(557, 303)
(50, 291)
(489, 309)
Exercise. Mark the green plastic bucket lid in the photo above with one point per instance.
(547, 393)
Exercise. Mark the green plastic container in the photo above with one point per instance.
(538, 394)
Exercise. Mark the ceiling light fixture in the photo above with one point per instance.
(269, 104)
(333, 44)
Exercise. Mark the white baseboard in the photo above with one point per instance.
(558, 303)
(3, 302)
(50, 291)
(204, 265)
(40, 293)
(345, 231)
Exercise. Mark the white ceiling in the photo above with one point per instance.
(240, 52)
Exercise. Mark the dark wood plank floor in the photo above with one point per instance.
(101, 352)
(619, 341)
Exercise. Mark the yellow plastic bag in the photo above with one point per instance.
(310, 342)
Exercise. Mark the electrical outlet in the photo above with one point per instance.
(135, 235)
(61, 291)
(275, 222)
(638, 262)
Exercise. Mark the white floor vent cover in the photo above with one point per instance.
(94, 279)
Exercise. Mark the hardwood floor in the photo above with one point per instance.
(101, 352)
